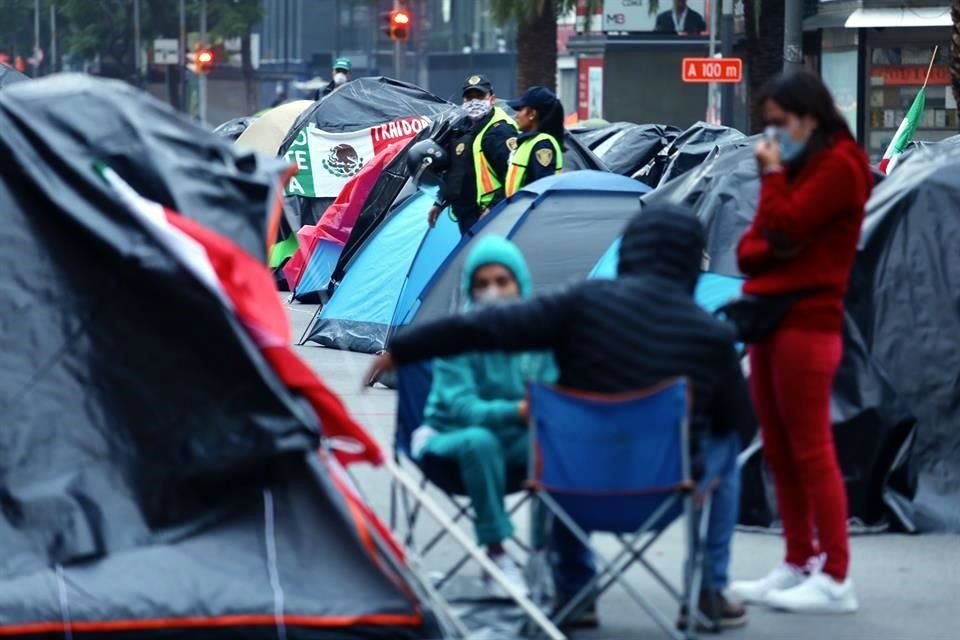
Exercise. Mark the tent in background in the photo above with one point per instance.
(722, 190)
(685, 152)
(10, 76)
(232, 129)
(165, 157)
(394, 184)
(398, 259)
(334, 138)
(713, 289)
(563, 225)
(625, 147)
(309, 271)
(268, 131)
(167, 478)
(905, 300)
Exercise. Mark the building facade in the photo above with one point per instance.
(874, 56)
(448, 39)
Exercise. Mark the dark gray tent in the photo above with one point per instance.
(10, 76)
(159, 474)
(231, 129)
(357, 105)
(905, 297)
(625, 147)
(685, 152)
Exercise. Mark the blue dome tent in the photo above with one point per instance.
(563, 225)
(713, 289)
(402, 252)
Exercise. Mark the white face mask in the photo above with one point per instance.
(490, 296)
(476, 109)
(339, 78)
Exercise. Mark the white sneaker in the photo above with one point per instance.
(819, 593)
(783, 576)
(513, 574)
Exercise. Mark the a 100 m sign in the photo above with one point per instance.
(712, 70)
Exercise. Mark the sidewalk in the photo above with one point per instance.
(909, 586)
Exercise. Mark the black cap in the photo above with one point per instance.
(477, 82)
(540, 98)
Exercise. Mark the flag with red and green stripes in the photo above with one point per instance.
(905, 132)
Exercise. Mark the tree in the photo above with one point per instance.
(103, 29)
(236, 18)
(764, 34)
(16, 28)
(537, 35)
(955, 51)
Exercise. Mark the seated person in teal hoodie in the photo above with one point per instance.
(476, 412)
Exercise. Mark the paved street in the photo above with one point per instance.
(909, 586)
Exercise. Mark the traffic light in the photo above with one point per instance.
(200, 61)
(398, 24)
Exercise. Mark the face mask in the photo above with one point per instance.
(339, 78)
(790, 149)
(476, 109)
(490, 296)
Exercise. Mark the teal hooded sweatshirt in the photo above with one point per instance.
(484, 389)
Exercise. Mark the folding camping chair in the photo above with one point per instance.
(443, 474)
(620, 464)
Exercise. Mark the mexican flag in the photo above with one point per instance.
(905, 132)
(327, 160)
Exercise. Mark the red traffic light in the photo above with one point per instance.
(399, 27)
(200, 61)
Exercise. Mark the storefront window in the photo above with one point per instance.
(896, 76)
(839, 72)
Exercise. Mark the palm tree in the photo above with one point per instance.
(537, 36)
(955, 51)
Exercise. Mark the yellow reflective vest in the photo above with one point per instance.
(520, 160)
(488, 182)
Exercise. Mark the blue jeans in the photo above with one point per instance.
(573, 564)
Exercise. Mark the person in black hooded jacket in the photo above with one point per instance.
(621, 335)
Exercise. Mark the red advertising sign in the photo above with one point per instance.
(712, 70)
(590, 88)
(909, 75)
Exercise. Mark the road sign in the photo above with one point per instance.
(166, 51)
(712, 70)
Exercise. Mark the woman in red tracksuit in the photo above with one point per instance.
(814, 185)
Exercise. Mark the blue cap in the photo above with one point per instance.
(539, 98)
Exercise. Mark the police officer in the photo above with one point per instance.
(539, 150)
(479, 147)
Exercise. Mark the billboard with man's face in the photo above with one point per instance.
(676, 17)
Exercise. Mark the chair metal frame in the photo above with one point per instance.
(635, 545)
(400, 504)
(405, 484)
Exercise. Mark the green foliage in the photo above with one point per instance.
(105, 27)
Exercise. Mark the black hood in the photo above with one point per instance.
(664, 241)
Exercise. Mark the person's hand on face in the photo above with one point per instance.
(787, 137)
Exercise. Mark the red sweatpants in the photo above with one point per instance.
(791, 375)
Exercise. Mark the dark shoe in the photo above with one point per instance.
(721, 612)
(586, 618)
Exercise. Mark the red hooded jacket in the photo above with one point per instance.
(805, 233)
